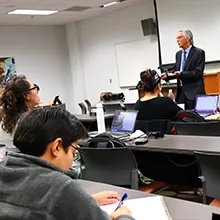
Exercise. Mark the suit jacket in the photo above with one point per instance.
(192, 74)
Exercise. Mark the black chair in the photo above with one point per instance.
(83, 107)
(209, 164)
(110, 108)
(188, 116)
(164, 126)
(88, 103)
(129, 106)
(116, 166)
(211, 128)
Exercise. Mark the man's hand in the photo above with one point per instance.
(123, 210)
(177, 73)
(106, 197)
(165, 75)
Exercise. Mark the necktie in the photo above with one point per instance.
(182, 66)
(184, 60)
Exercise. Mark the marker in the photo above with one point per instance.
(123, 198)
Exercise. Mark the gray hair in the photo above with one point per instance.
(188, 34)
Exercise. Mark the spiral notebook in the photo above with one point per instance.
(150, 208)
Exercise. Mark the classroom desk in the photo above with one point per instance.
(90, 122)
(179, 144)
(88, 118)
(179, 209)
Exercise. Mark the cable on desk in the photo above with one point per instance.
(180, 165)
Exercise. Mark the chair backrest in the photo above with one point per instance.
(110, 108)
(83, 107)
(88, 103)
(116, 166)
(164, 126)
(209, 167)
(188, 116)
(211, 128)
(129, 106)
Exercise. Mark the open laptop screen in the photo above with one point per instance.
(124, 121)
(206, 103)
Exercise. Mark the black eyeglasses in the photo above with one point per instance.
(77, 152)
(36, 87)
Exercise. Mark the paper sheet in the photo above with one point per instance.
(150, 208)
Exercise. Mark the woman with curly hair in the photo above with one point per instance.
(19, 96)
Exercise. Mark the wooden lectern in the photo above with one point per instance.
(212, 83)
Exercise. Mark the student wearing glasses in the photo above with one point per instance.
(38, 183)
(19, 96)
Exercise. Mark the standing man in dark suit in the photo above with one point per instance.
(188, 69)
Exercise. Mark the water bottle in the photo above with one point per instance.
(100, 118)
(171, 95)
(2, 152)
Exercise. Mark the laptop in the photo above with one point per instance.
(122, 124)
(206, 105)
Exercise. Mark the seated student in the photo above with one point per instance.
(152, 106)
(37, 183)
(19, 96)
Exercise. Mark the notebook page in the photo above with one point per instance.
(149, 208)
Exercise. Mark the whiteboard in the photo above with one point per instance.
(135, 56)
(202, 17)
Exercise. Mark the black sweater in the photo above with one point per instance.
(157, 108)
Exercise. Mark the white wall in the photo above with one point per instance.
(77, 78)
(41, 54)
(98, 37)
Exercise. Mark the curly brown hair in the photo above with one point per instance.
(12, 102)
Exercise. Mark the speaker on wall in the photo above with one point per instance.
(148, 27)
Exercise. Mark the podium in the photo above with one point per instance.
(212, 83)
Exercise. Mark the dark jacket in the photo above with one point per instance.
(33, 189)
(192, 74)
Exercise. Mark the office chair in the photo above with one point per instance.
(110, 108)
(209, 128)
(129, 106)
(116, 166)
(88, 103)
(188, 116)
(164, 126)
(209, 164)
(83, 107)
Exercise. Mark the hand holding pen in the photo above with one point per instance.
(123, 198)
(120, 209)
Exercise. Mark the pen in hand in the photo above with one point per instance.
(123, 198)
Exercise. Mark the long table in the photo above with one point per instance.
(90, 121)
(179, 209)
(179, 144)
(91, 118)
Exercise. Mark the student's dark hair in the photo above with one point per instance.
(12, 102)
(149, 80)
(36, 129)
